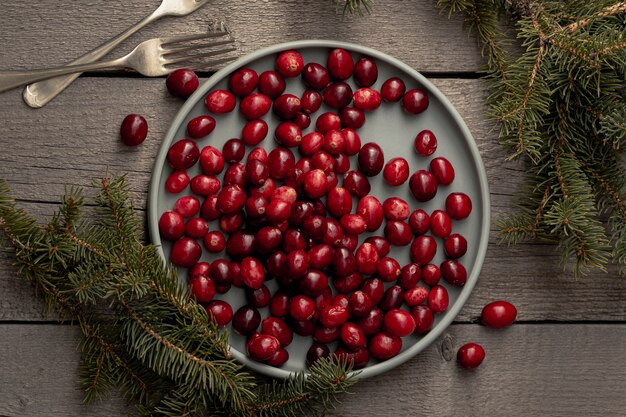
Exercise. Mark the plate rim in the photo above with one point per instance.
(454, 309)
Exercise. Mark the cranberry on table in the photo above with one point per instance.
(200, 126)
(279, 304)
(256, 172)
(326, 334)
(254, 132)
(383, 346)
(214, 241)
(311, 143)
(366, 99)
(202, 288)
(209, 210)
(423, 249)
(316, 352)
(339, 201)
(365, 72)
(440, 223)
(255, 106)
(392, 90)
(182, 82)
(183, 154)
(133, 130)
(338, 95)
(423, 185)
(171, 225)
(233, 150)
(258, 153)
(287, 106)
(303, 120)
(425, 143)
(289, 64)
(271, 84)
(243, 82)
(455, 245)
(211, 160)
(370, 208)
(252, 272)
(262, 347)
(443, 171)
(221, 271)
(220, 311)
(196, 228)
(185, 252)
(371, 159)
(315, 183)
(230, 223)
(438, 299)
(187, 206)
(246, 320)
(334, 142)
(396, 171)
(359, 304)
(424, 318)
(352, 118)
(201, 268)
(353, 224)
(220, 101)
(470, 355)
(398, 322)
(498, 314)
(410, 275)
(458, 206)
(415, 101)
(327, 121)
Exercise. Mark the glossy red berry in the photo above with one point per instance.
(287, 106)
(182, 82)
(183, 154)
(231, 199)
(425, 143)
(398, 233)
(352, 118)
(423, 249)
(187, 206)
(443, 171)
(202, 288)
(204, 185)
(271, 84)
(415, 101)
(340, 64)
(214, 241)
(371, 159)
(365, 72)
(338, 95)
(338, 201)
(220, 101)
(289, 64)
(366, 259)
(211, 160)
(246, 320)
(470, 355)
(458, 206)
(279, 358)
(395, 208)
(315, 76)
(200, 126)
(196, 228)
(423, 185)
(392, 90)
(327, 121)
(352, 336)
(255, 106)
(316, 352)
(383, 346)
(254, 132)
(278, 328)
(334, 315)
(424, 318)
(133, 130)
(243, 82)
(171, 225)
(220, 311)
(396, 171)
(262, 347)
(440, 223)
(366, 99)
(301, 307)
(419, 221)
(438, 299)
(288, 134)
(455, 246)
(398, 322)
(498, 314)
(415, 296)
(185, 252)
(453, 272)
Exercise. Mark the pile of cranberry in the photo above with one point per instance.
(283, 215)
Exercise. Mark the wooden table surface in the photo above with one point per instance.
(564, 356)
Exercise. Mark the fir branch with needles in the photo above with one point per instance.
(141, 332)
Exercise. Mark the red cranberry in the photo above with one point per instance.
(297, 263)
(302, 327)
(302, 120)
(230, 223)
(265, 190)
(334, 315)
(185, 252)
(431, 274)
(334, 142)
(280, 161)
(321, 256)
(255, 106)
(220, 311)
(233, 150)
(240, 244)
(348, 283)
(440, 223)
(202, 288)
(381, 245)
(458, 206)
(183, 154)
(352, 118)
(326, 334)
(279, 358)
(398, 322)
(262, 347)
(423, 317)
(339, 201)
(187, 206)
(256, 172)
(410, 275)
(366, 259)
(258, 153)
(338, 95)
(246, 320)
(372, 322)
(285, 193)
(383, 346)
(349, 242)
(353, 142)
(279, 304)
(392, 298)
(344, 262)
(438, 299)
(182, 82)
(374, 288)
(235, 174)
(299, 212)
(276, 327)
(360, 304)
(278, 211)
(287, 106)
(423, 249)
(415, 101)
(267, 239)
(315, 183)
(352, 336)
(313, 283)
(396, 171)
(366, 99)
(353, 224)
(204, 185)
(423, 185)
(443, 171)
(310, 101)
(171, 225)
(289, 64)
(455, 245)
(333, 233)
(176, 182)
(498, 314)
(415, 296)
(271, 84)
(301, 307)
(214, 241)
(196, 228)
(419, 221)
(133, 130)
(221, 272)
(365, 72)
(314, 227)
(254, 132)
(454, 272)
(342, 164)
(396, 208)
(311, 143)
(340, 64)
(371, 159)
(470, 355)
(398, 233)
(209, 210)
(370, 208)
(323, 160)
(356, 183)
(393, 90)
(243, 82)
(220, 101)
(425, 143)
(315, 76)
(211, 160)
(388, 269)
(327, 121)
(316, 352)
(288, 134)
(200, 126)
(231, 199)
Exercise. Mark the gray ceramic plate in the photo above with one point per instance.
(394, 131)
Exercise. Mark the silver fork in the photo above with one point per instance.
(152, 58)
(39, 94)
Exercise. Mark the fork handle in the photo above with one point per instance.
(12, 79)
(39, 94)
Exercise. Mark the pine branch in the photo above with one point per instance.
(613, 10)
(353, 6)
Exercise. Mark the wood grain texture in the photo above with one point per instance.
(413, 31)
(542, 370)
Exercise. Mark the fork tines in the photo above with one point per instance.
(191, 54)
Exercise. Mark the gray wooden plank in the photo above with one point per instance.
(412, 31)
(530, 370)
